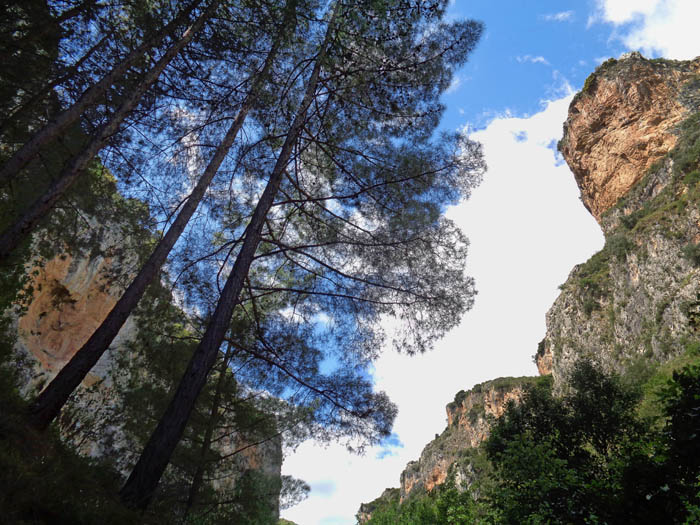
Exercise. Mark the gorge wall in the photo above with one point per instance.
(66, 297)
(469, 418)
(632, 141)
(629, 140)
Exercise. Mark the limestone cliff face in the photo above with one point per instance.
(623, 121)
(633, 143)
(455, 455)
(469, 419)
(71, 297)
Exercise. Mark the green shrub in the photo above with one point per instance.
(686, 154)
(692, 253)
(619, 246)
(692, 178)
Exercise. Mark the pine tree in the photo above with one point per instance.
(402, 175)
(61, 121)
(53, 397)
(15, 233)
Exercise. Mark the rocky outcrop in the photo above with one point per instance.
(623, 121)
(638, 299)
(469, 419)
(70, 298)
(455, 455)
(366, 509)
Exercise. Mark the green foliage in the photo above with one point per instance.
(619, 245)
(589, 84)
(587, 457)
(686, 153)
(692, 178)
(593, 279)
(691, 251)
(540, 349)
(444, 505)
(42, 480)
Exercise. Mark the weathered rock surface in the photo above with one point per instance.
(638, 299)
(71, 298)
(469, 419)
(623, 121)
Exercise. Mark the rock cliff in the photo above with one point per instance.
(623, 121)
(70, 297)
(632, 140)
(469, 418)
(455, 454)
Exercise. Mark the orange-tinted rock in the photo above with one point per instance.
(622, 122)
(469, 419)
(544, 361)
(71, 298)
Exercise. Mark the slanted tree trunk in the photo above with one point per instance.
(15, 234)
(50, 401)
(46, 90)
(63, 120)
(144, 478)
(208, 433)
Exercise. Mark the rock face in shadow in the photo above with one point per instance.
(66, 299)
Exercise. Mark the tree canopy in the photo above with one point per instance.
(295, 187)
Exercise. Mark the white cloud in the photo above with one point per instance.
(454, 85)
(532, 59)
(665, 28)
(623, 11)
(527, 229)
(562, 16)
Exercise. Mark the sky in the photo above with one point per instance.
(526, 223)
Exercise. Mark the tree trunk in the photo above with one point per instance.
(67, 117)
(208, 433)
(144, 478)
(44, 92)
(23, 226)
(49, 403)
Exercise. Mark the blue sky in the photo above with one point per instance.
(526, 54)
(526, 223)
